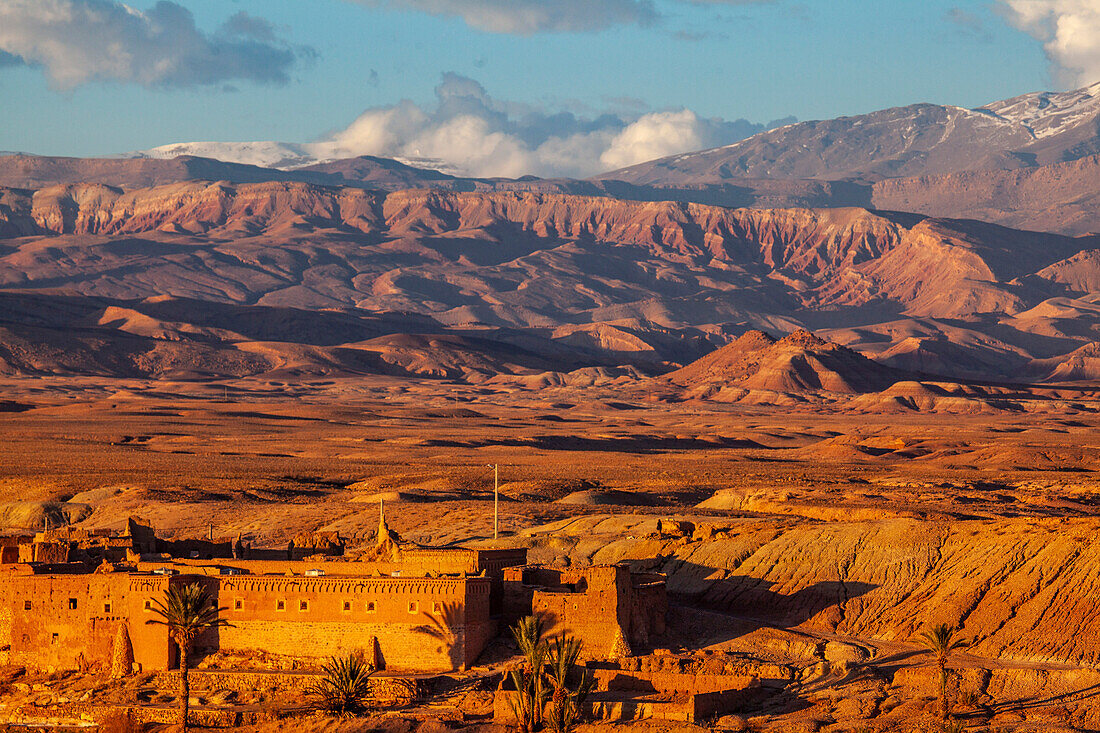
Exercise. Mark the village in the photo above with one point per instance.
(86, 603)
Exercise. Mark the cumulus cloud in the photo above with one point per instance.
(78, 41)
(525, 17)
(1070, 32)
(472, 133)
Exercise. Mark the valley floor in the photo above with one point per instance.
(818, 542)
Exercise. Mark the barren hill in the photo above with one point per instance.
(650, 284)
(1028, 162)
(921, 139)
(800, 362)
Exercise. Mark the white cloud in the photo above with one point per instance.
(525, 17)
(78, 41)
(656, 135)
(1070, 32)
(470, 132)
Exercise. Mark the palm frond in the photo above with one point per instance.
(528, 633)
(940, 640)
(187, 611)
(344, 687)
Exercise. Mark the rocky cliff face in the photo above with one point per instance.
(542, 260)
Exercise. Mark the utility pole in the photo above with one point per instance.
(496, 499)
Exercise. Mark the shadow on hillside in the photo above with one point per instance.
(738, 605)
(639, 444)
(1018, 706)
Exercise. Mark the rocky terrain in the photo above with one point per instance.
(839, 381)
(237, 279)
(809, 547)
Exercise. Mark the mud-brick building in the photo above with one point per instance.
(64, 617)
(611, 609)
(431, 613)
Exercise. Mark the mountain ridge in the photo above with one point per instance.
(920, 139)
(585, 268)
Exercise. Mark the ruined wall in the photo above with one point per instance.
(9, 547)
(60, 620)
(646, 681)
(648, 607)
(595, 604)
(47, 552)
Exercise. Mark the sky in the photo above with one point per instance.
(509, 87)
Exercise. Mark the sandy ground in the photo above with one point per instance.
(270, 459)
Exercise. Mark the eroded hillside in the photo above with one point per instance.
(662, 273)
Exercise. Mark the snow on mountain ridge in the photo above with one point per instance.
(1047, 113)
(278, 155)
(1040, 114)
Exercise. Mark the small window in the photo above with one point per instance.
(106, 608)
(26, 605)
(72, 604)
(280, 605)
(53, 639)
(238, 604)
(437, 607)
(148, 605)
(371, 607)
(413, 607)
(347, 605)
(303, 605)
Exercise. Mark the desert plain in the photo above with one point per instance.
(822, 391)
(812, 541)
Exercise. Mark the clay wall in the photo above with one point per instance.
(152, 648)
(414, 624)
(73, 618)
(407, 620)
(60, 620)
(668, 682)
(594, 604)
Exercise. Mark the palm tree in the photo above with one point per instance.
(528, 633)
(344, 688)
(940, 641)
(531, 692)
(187, 611)
(565, 704)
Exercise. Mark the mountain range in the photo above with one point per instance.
(927, 241)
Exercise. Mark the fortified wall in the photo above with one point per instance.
(72, 599)
(611, 609)
(410, 608)
(49, 617)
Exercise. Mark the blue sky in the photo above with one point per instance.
(303, 70)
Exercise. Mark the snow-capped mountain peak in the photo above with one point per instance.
(1047, 113)
(283, 156)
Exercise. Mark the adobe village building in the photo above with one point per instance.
(71, 599)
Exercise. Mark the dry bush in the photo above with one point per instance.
(118, 722)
